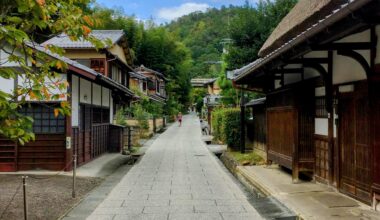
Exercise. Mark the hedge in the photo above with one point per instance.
(226, 126)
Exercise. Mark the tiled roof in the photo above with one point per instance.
(141, 69)
(254, 102)
(202, 81)
(137, 75)
(64, 41)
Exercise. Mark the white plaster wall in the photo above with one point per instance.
(310, 73)
(292, 78)
(346, 69)
(322, 126)
(106, 97)
(320, 91)
(377, 60)
(85, 90)
(97, 93)
(316, 54)
(6, 85)
(75, 101)
(364, 36)
(277, 84)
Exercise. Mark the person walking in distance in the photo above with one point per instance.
(179, 118)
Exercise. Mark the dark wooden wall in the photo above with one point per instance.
(8, 155)
(375, 131)
(257, 128)
(46, 152)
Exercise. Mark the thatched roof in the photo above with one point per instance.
(302, 16)
(298, 29)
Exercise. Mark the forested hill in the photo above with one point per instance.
(204, 34)
(240, 29)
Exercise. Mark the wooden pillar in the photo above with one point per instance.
(68, 128)
(295, 161)
(242, 123)
(330, 110)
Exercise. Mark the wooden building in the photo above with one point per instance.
(113, 61)
(156, 84)
(88, 132)
(320, 70)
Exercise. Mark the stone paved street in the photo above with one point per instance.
(178, 178)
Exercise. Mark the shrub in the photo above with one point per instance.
(216, 119)
(226, 126)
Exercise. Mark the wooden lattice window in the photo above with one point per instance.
(98, 65)
(100, 115)
(45, 121)
(320, 107)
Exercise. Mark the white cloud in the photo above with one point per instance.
(184, 9)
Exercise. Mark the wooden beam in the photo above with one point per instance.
(289, 70)
(308, 60)
(344, 46)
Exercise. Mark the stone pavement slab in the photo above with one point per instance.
(309, 200)
(178, 178)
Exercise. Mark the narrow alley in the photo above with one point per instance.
(178, 178)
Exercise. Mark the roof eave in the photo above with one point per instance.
(310, 32)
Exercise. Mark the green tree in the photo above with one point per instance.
(252, 26)
(24, 22)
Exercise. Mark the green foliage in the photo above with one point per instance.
(252, 26)
(226, 126)
(141, 115)
(121, 117)
(251, 158)
(197, 95)
(22, 24)
(217, 116)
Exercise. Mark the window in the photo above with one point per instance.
(158, 86)
(100, 115)
(45, 121)
(85, 62)
(98, 65)
(116, 74)
(320, 107)
(144, 86)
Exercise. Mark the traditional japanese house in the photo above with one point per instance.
(139, 82)
(156, 83)
(88, 132)
(113, 61)
(320, 70)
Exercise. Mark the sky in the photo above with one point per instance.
(165, 10)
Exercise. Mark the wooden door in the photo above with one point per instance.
(355, 148)
(85, 135)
